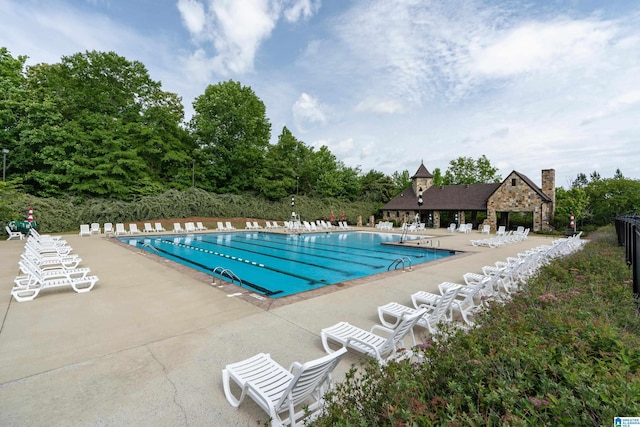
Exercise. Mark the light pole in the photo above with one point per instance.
(297, 185)
(4, 163)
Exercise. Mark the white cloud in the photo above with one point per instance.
(193, 16)
(540, 46)
(387, 106)
(235, 30)
(301, 9)
(308, 111)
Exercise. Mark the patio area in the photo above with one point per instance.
(147, 345)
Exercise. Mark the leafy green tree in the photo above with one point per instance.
(581, 181)
(96, 124)
(378, 187)
(232, 132)
(465, 170)
(438, 179)
(283, 165)
(401, 180)
(12, 95)
(618, 174)
(573, 201)
(609, 198)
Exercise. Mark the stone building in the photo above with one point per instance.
(464, 203)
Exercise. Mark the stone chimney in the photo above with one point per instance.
(549, 186)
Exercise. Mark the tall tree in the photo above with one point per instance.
(377, 187)
(232, 131)
(465, 170)
(284, 162)
(97, 124)
(12, 97)
(401, 180)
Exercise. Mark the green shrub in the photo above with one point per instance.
(60, 215)
(564, 352)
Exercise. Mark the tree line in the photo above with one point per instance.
(96, 125)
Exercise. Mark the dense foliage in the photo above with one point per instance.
(565, 352)
(66, 213)
(97, 125)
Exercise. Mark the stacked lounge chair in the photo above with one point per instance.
(47, 262)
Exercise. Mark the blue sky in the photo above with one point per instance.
(386, 84)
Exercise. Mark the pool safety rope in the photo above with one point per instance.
(258, 288)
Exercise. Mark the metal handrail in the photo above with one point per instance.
(396, 262)
(224, 272)
(150, 246)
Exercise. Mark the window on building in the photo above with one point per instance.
(513, 182)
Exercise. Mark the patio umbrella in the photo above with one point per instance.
(332, 217)
(30, 216)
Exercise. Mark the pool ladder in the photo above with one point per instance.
(150, 247)
(226, 273)
(404, 261)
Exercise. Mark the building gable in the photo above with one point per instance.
(517, 193)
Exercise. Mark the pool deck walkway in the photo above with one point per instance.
(147, 345)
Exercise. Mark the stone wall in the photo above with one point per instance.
(515, 195)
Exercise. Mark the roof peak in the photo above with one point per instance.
(422, 172)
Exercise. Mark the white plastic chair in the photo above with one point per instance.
(14, 234)
(369, 342)
(85, 230)
(95, 228)
(286, 395)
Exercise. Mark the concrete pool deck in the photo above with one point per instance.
(147, 345)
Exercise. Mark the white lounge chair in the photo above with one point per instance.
(51, 261)
(221, 226)
(431, 315)
(256, 226)
(85, 230)
(43, 248)
(229, 226)
(120, 230)
(248, 226)
(95, 228)
(274, 224)
(158, 227)
(486, 229)
(189, 227)
(133, 229)
(468, 300)
(45, 237)
(14, 234)
(200, 227)
(452, 227)
(108, 229)
(177, 228)
(372, 344)
(29, 285)
(502, 230)
(288, 396)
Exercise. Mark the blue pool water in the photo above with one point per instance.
(277, 265)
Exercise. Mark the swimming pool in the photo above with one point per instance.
(278, 265)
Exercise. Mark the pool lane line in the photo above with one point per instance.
(399, 253)
(258, 288)
(344, 272)
(345, 252)
(311, 280)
